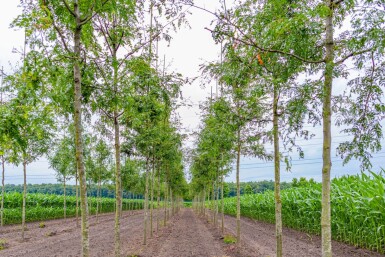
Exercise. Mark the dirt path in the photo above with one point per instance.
(260, 237)
(187, 236)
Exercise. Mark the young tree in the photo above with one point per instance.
(63, 162)
(66, 26)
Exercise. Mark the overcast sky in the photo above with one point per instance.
(188, 49)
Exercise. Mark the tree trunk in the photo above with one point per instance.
(77, 200)
(238, 187)
(79, 133)
(158, 204)
(172, 203)
(326, 148)
(98, 201)
(277, 193)
(24, 200)
(117, 186)
(2, 189)
(204, 202)
(217, 200)
(64, 195)
(222, 206)
(146, 205)
(165, 204)
(152, 198)
(213, 203)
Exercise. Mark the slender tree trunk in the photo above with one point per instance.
(158, 204)
(277, 193)
(24, 200)
(152, 198)
(2, 189)
(204, 202)
(98, 201)
(222, 206)
(78, 133)
(146, 205)
(64, 195)
(172, 202)
(77, 200)
(217, 200)
(165, 204)
(213, 203)
(326, 117)
(238, 187)
(117, 186)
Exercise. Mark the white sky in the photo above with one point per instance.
(188, 49)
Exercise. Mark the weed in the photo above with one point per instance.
(229, 239)
(52, 233)
(41, 225)
(3, 244)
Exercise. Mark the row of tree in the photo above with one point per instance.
(90, 94)
(281, 59)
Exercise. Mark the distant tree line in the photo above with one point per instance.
(107, 191)
(254, 187)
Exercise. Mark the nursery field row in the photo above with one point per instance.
(358, 209)
(44, 207)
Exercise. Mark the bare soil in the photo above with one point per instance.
(186, 234)
(260, 236)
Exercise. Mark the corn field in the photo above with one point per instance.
(44, 207)
(358, 209)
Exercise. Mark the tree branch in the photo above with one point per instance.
(69, 8)
(61, 35)
(352, 55)
(253, 44)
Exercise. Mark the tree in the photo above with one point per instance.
(333, 50)
(30, 116)
(63, 162)
(62, 23)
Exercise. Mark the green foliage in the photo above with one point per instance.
(42, 207)
(358, 213)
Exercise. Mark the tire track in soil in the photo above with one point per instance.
(260, 236)
(187, 236)
(66, 238)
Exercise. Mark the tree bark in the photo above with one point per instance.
(117, 186)
(152, 198)
(158, 204)
(238, 187)
(64, 195)
(24, 200)
(2, 189)
(217, 200)
(79, 133)
(98, 201)
(326, 148)
(222, 206)
(77, 200)
(165, 204)
(277, 193)
(146, 205)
